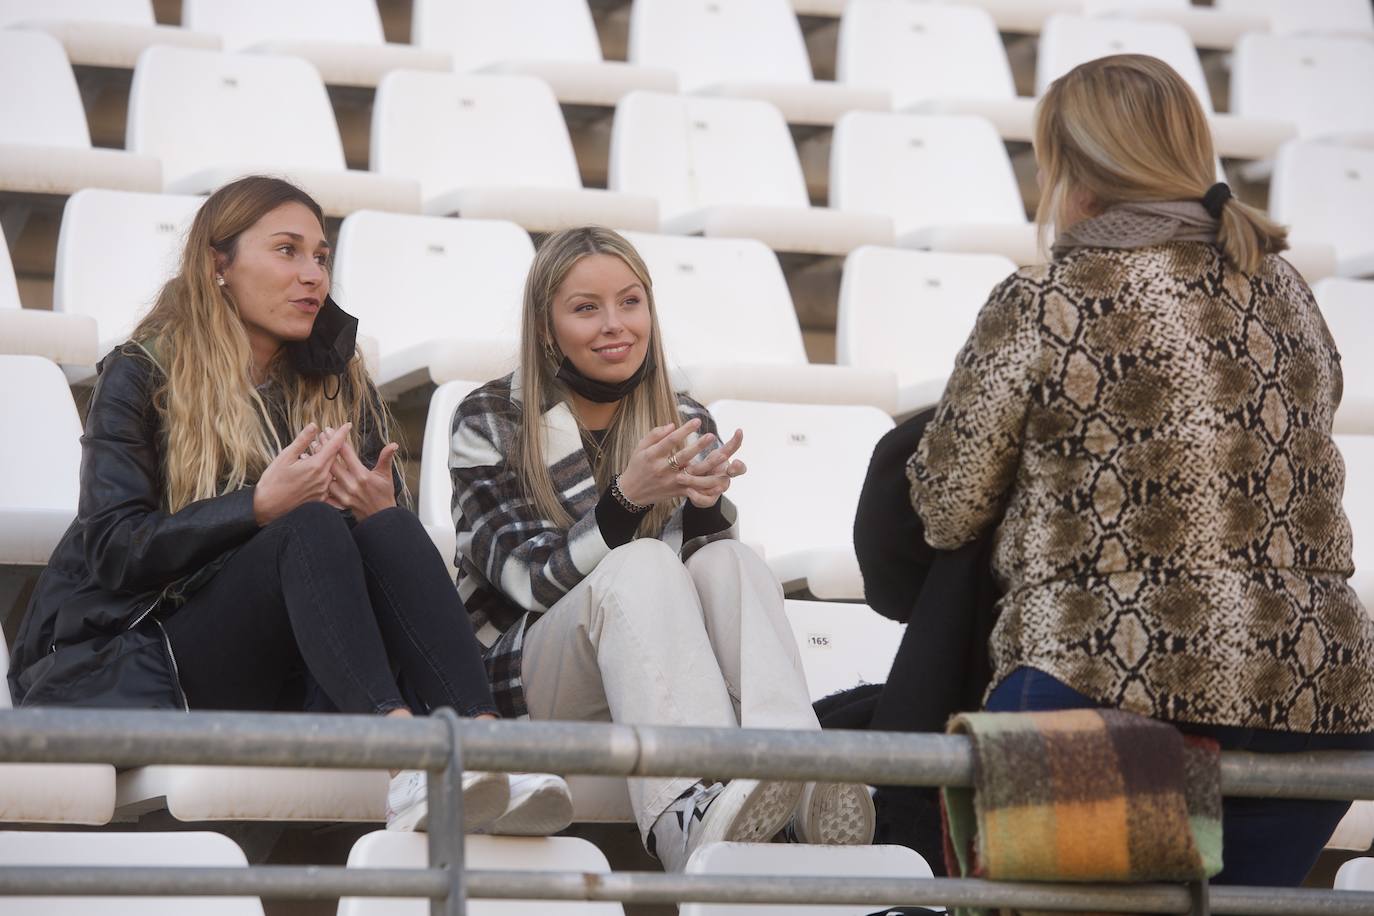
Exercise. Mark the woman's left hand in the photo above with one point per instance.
(712, 474)
(360, 490)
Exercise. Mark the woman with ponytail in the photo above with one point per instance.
(1145, 421)
(597, 557)
(238, 543)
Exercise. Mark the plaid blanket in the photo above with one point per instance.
(1084, 795)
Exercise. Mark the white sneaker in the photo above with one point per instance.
(540, 805)
(834, 814)
(485, 796)
(744, 811)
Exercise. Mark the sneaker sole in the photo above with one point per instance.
(544, 811)
(484, 800)
(765, 811)
(838, 814)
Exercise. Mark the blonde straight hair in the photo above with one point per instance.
(1127, 128)
(218, 432)
(651, 404)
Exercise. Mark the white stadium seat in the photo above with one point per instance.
(809, 462)
(1207, 26)
(39, 472)
(1348, 307)
(1325, 194)
(1068, 41)
(343, 39)
(742, 48)
(945, 181)
(45, 144)
(911, 311)
(731, 331)
(181, 849)
(210, 793)
(794, 859)
(554, 40)
(1358, 452)
(1355, 874)
(842, 645)
(48, 793)
(212, 117)
(931, 57)
(115, 284)
(435, 501)
(441, 296)
(492, 146)
(385, 849)
(101, 33)
(1355, 833)
(686, 152)
(66, 339)
(1307, 81)
(1288, 17)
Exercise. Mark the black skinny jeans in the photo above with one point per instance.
(347, 608)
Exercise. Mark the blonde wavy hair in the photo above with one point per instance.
(1127, 128)
(218, 431)
(651, 404)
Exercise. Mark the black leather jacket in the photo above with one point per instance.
(91, 635)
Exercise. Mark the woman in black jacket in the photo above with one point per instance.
(238, 543)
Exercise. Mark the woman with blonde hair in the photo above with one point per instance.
(1146, 421)
(238, 543)
(597, 557)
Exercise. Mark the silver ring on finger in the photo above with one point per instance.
(672, 463)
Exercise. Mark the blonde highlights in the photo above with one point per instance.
(652, 403)
(219, 433)
(1128, 129)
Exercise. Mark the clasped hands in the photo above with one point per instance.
(664, 466)
(324, 469)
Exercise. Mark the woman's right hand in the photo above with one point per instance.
(297, 476)
(649, 477)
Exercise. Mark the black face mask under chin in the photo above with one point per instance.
(603, 392)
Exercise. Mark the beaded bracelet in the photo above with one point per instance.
(624, 500)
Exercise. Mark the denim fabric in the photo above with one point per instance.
(1266, 842)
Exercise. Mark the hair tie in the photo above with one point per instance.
(1215, 198)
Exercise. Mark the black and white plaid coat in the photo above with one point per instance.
(513, 564)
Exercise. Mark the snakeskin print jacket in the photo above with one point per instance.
(1151, 433)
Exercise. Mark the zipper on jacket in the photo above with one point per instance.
(146, 611)
(171, 656)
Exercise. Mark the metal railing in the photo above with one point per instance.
(444, 745)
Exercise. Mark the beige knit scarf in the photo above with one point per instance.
(1138, 225)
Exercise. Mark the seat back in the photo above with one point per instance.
(1067, 41)
(115, 250)
(721, 301)
(911, 311)
(1358, 452)
(9, 286)
(39, 100)
(40, 468)
(384, 849)
(811, 861)
(436, 486)
(182, 848)
(691, 153)
(1355, 875)
(452, 131)
(918, 51)
(248, 22)
(1305, 80)
(127, 12)
(714, 41)
(1310, 16)
(1324, 194)
(479, 33)
(414, 279)
(198, 109)
(842, 645)
(923, 170)
(1348, 307)
(806, 467)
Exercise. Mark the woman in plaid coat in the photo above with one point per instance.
(597, 557)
